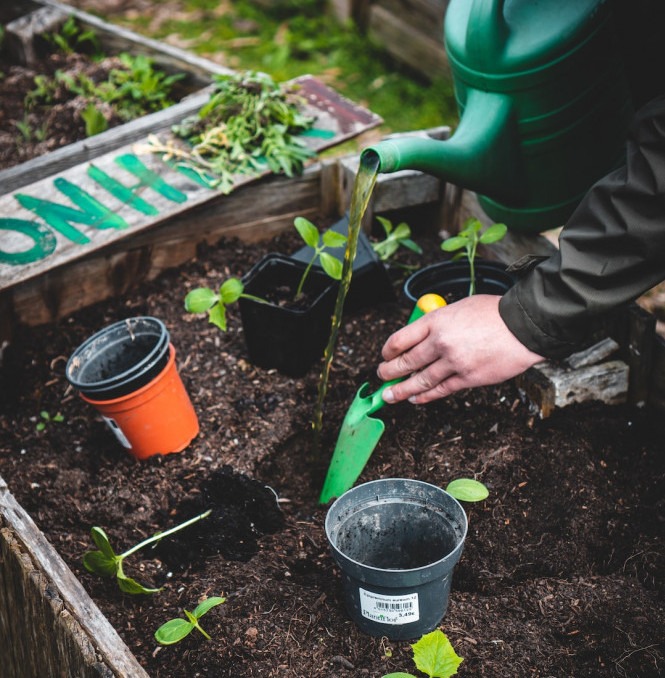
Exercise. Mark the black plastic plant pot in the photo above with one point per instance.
(370, 282)
(289, 338)
(396, 542)
(119, 359)
(451, 280)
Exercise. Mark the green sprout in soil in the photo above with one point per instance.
(47, 419)
(72, 38)
(468, 240)
(206, 300)
(434, 655)
(174, 630)
(106, 563)
(248, 126)
(395, 237)
(330, 239)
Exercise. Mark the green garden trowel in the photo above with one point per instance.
(360, 432)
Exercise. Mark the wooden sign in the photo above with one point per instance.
(85, 208)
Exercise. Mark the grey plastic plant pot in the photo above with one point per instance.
(396, 542)
(120, 358)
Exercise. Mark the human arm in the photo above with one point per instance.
(611, 251)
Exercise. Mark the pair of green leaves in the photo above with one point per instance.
(434, 655)
(468, 240)
(47, 419)
(205, 300)
(107, 563)
(174, 630)
(396, 237)
(320, 243)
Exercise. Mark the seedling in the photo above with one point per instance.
(106, 563)
(330, 239)
(206, 300)
(174, 630)
(434, 655)
(395, 237)
(71, 37)
(48, 419)
(468, 240)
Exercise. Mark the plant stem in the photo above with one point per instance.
(161, 535)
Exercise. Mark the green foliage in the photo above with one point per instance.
(28, 132)
(467, 240)
(330, 239)
(94, 120)
(248, 126)
(395, 237)
(467, 489)
(130, 91)
(72, 38)
(47, 419)
(434, 655)
(107, 563)
(174, 630)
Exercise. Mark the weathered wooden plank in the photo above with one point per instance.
(251, 213)
(549, 386)
(592, 355)
(49, 625)
(408, 44)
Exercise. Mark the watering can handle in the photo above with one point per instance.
(426, 303)
(487, 29)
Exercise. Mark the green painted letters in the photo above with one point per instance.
(44, 240)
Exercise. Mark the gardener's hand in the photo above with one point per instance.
(463, 345)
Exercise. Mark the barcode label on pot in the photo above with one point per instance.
(389, 609)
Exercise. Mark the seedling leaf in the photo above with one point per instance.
(399, 674)
(331, 265)
(454, 243)
(217, 316)
(129, 585)
(467, 489)
(308, 231)
(230, 290)
(494, 233)
(200, 300)
(173, 631)
(207, 605)
(98, 563)
(334, 239)
(102, 542)
(435, 656)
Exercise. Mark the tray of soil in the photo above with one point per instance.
(562, 570)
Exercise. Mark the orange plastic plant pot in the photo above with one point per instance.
(158, 418)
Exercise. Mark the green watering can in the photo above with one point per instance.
(544, 104)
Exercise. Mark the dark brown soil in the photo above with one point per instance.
(562, 572)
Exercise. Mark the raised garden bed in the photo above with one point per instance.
(562, 572)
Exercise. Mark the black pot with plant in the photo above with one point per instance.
(464, 274)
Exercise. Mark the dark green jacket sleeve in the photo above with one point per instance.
(611, 251)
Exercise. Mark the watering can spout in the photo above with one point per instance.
(482, 155)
